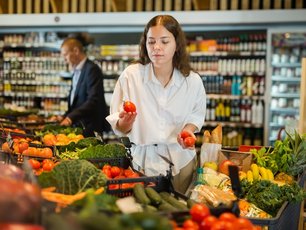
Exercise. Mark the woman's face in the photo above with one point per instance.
(160, 45)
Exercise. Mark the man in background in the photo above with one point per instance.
(86, 103)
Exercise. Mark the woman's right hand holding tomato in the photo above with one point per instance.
(126, 121)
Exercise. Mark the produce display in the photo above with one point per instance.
(86, 182)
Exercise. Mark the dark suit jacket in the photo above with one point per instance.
(89, 108)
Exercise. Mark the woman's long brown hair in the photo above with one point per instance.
(181, 57)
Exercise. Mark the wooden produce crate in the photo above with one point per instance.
(242, 159)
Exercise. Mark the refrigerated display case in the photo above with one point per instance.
(285, 53)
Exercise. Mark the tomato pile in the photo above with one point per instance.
(115, 172)
(38, 167)
(201, 219)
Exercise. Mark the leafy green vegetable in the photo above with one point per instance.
(88, 141)
(270, 197)
(288, 155)
(112, 150)
(73, 176)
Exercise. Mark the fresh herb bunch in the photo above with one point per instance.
(270, 197)
(288, 155)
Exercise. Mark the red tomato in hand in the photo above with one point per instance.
(198, 212)
(129, 107)
(184, 134)
(189, 141)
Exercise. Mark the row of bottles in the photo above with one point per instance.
(112, 67)
(57, 90)
(242, 136)
(30, 54)
(26, 102)
(237, 42)
(48, 105)
(230, 65)
(235, 85)
(30, 38)
(245, 110)
(236, 136)
(37, 64)
(39, 78)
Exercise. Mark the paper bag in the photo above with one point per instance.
(209, 152)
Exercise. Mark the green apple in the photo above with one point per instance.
(211, 164)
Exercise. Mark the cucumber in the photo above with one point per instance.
(149, 208)
(173, 201)
(153, 196)
(165, 206)
(140, 194)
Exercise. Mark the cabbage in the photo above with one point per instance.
(73, 176)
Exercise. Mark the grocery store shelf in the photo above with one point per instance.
(228, 53)
(285, 110)
(288, 65)
(114, 21)
(286, 79)
(285, 95)
(274, 125)
(55, 46)
(233, 97)
(36, 94)
(232, 124)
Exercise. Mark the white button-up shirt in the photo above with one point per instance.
(162, 112)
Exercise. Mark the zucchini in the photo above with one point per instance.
(140, 194)
(153, 196)
(173, 201)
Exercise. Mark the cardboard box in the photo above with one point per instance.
(242, 159)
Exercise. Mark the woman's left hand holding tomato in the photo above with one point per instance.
(186, 139)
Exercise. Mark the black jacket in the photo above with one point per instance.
(89, 108)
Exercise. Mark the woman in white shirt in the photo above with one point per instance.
(169, 98)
